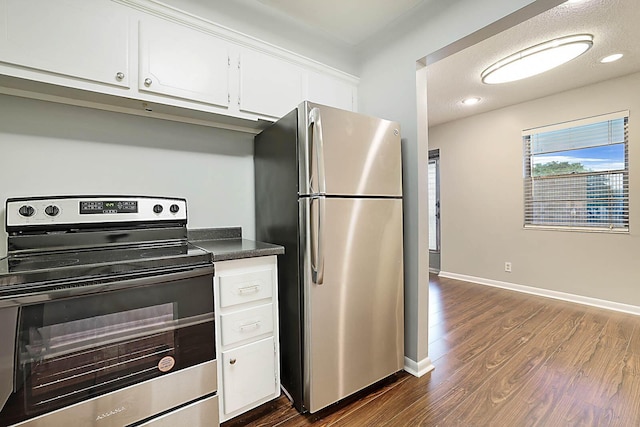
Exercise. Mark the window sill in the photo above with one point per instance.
(578, 229)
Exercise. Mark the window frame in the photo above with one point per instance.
(529, 180)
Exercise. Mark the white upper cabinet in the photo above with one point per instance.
(183, 62)
(328, 90)
(269, 85)
(145, 58)
(87, 40)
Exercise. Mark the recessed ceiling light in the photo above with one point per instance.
(471, 100)
(537, 59)
(611, 58)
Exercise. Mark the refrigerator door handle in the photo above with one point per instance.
(317, 264)
(315, 120)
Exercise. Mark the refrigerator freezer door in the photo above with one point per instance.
(348, 154)
(354, 320)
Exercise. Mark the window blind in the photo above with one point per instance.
(432, 191)
(577, 177)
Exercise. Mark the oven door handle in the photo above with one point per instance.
(75, 289)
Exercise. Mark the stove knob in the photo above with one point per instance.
(174, 208)
(157, 209)
(26, 210)
(52, 210)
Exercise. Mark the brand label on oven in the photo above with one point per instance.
(166, 363)
(110, 413)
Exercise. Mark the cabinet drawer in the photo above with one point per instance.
(245, 287)
(201, 413)
(248, 374)
(241, 325)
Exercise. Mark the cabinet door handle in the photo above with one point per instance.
(148, 81)
(248, 289)
(252, 325)
(120, 75)
(232, 362)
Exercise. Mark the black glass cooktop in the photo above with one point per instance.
(90, 264)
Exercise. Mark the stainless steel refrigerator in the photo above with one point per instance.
(328, 187)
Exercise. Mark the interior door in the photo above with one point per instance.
(352, 154)
(354, 319)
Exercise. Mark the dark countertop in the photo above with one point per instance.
(227, 243)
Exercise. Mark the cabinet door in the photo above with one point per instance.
(183, 62)
(77, 38)
(248, 374)
(331, 91)
(268, 85)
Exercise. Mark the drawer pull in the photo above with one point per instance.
(250, 326)
(249, 290)
(232, 361)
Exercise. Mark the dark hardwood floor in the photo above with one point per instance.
(502, 358)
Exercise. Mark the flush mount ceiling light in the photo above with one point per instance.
(471, 100)
(537, 59)
(611, 58)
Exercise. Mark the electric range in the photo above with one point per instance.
(104, 301)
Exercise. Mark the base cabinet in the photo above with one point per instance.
(247, 340)
(248, 374)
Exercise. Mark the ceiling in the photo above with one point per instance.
(613, 23)
(350, 21)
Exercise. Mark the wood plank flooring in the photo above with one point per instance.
(502, 358)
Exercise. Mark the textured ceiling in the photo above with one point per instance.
(615, 25)
(351, 21)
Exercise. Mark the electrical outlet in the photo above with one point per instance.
(507, 267)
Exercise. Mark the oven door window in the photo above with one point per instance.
(74, 349)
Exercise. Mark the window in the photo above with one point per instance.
(576, 175)
(434, 201)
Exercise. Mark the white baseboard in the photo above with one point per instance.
(579, 299)
(418, 369)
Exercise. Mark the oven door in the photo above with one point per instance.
(83, 342)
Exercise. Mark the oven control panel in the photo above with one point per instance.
(42, 211)
(108, 206)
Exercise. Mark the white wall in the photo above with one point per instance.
(55, 149)
(481, 193)
(388, 89)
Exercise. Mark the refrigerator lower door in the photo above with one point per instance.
(354, 320)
